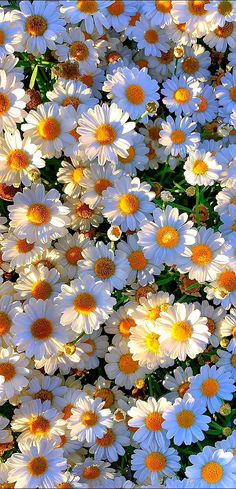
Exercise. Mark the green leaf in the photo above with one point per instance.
(33, 77)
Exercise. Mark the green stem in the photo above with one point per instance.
(142, 116)
(197, 205)
(150, 385)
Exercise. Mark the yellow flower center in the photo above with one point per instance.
(5, 323)
(233, 360)
(199, 167)
(105, 134)
(151, 36)
(163, 6)
(73, 255)
(4, 103)
(152, 343)
(39, 426)
(127, 365)
(125, 325)
(185, 418)
(88, 7)
(84, 303)
(201, 255)
(153, 422)
(225, 7)
(37, 466)
(49, 128)
(154, 313)
(181, 27)
(183, 389)
(225, 31)
(104, 268)
(203, 105)
(101, 185)
(178, 137)
(135, 94)
(107, 440)
(23, 246)
(182, 96)
(197, 7)
(128, 204)
(42, 290)
(227, 280)
(167, 237)
(106, 395)
(210, 387)
(190, 65)
(129, 158)
(79, 51)
(87, 80)
(63, 485)
(137, 260)
(181, 331)
(41, 329)
(17, 160)
(211, 325)
(35, 25)
(2, 37)
(89, 419)
(155, 462)
(91, 473)
(38, 214)
(233, 93)
(212, 472)
(8, 371)
(116, 9)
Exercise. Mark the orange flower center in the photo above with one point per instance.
(93, 346)
(64, 485)
(83, 211)
(84, 303)
(101, 185)
(185, 418)
(233, 360)
(134, 19)
(89, 419)
(135, 94)
(43, 395)
(212, 472)
(199, 167)
(151, 36)
(203, 105)
(74, 101)
(88, 7)
(73, 255)
(166, 58)
(225, 7)
(39, 426)
(154, 422)
(190, 65)
(154, 133)
(128, 204)
(4, 103)
(67, 411)
(167, 237)
(113, 57)
(87, 80)
(137, 260)
(211, 325)
(42, 290)
(141, 63)
(5, 323)
(35, 25)
(106, 395)
(23, 246)
(129, 158)
(155, 462)
(91, 473)
(17, 160)
(104, 268)
(181, 331)
(225, 31)
(8, 371)
(183, 389)
(210, 387)
(233, 93)
(178, 137)
(116, 9)
(125, 325)
(41, 329)
(154, 313)
(38, 214)
(182, 96)
(105, 134)
(37, 466)
(163, 6)
(127, 365)
(227, 280)
(181, 27)
(2, 39)
(201, 255)
(49, 128)
(197, 7)
(79, 51)
(107, 440)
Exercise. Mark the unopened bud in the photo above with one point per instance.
(227, 431)
(139, 383)
(224, 342)
(114, 233)
(225, 409)
(34, 174)
(166, 196)
(69, 348)
(151, 107)
(178, 52)
(214, 358)
(190, 191)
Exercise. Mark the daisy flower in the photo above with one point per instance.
(179, 33)
(121, 367)
(70, 250)
(227, 445)
(8, 311)
(181, 94)
(8, 64)
(150, 307)
(214, 316)
(82, 216)
(106, 266)
(195, 62)
(84, 304)
(212, 468)
(158, 12)
(37, 331)
(178, 137)
(137, 158)
(73, 93)
(76, 48)
(154, 462)
(193, 13)
(94, 473)
(5, 435)
(140, 268)
(91, 12)
(111, 445)
(118, 14)
(13, 100)
(93, 78)
(13, 373)
(102, 388)
(120, 322)
(36, 464)
(9, 30)
(95, 180)
(183, 331)
(223, 289)
(221, 12)
(208, 106)
(164, 239)
(201, 168)
(204, 260)
(178, 384)
(227, 327)
(49, 127)
(226, 92)
(70, 174)
(222, 37)
(89, 420)
(36, 419)
(45, 388)
(39, 26)
(98, 345)
(131, 90)
(37, 215)
(185, 420)
(38, 282)
(127, 204)
(147, 418)
(227, 360)
(225, 199)
(105, 133)
(152, 39)
(213, 386)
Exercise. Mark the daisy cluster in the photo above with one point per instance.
(118, 244)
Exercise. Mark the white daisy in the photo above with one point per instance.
(5, 434)
(212, 468)
(38, 282)
(222, 37)
(193, 13)
(111, 445)
(9, 65)
(221, 11)
(181, 94)
(121, 367)
(223, 289)
(73, 93)
(118, 14)
(213, 386)
(120, 322)
(102, 388)
(214, 316)
(127, 204)
(158, 12)
(70, 253)
(97, 344)
(201, 168)
(227, 360)
(77, 48)
(195, 62)
(37, 215)
(225, 199)
(8, 311)
(82, 216)
(183, 331)
(227, 326)
(95, 180)
(105, 133)
(147, 418)
(94, 473)
(13, 100)
(70, 174)
(208, 107)
(91, 12)
(150, 307)
(9, 30)
(45, 388)
(178, 137)
(178, 384)
(226, 92)
(13, 373)
(229, 444)
(84, 305)
(151, 38)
